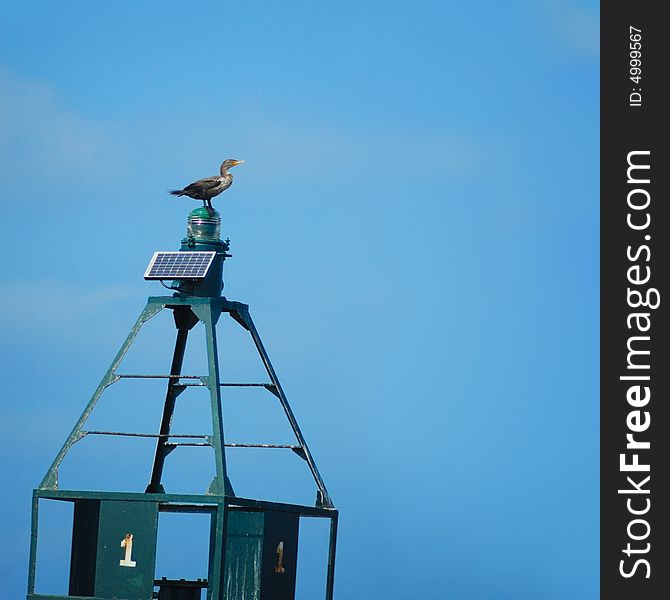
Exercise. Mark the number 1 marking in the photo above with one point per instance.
(127, 543)
(280, 558)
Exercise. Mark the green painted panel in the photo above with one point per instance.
(261, 555)
(244, 554)
(126, 549)
(280, 555)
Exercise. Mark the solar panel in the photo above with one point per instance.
(179, 265)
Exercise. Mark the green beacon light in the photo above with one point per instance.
(203, 226)
(197, 269)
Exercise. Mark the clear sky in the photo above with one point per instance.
(415, 229)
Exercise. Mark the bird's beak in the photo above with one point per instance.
(238, 162)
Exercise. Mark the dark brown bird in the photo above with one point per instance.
(206, 189)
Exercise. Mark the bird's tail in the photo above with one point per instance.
(177, 192)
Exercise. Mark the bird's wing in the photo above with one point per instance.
(204, 184)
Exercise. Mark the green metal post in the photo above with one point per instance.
(330, 576)
(215, 590)
(209, 314)
(33, 544)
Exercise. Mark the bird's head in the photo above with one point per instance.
(228, 163)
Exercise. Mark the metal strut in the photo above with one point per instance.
(184, 320)
(50, 480)
(323, 498)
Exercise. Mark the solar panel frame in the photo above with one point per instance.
(179, 265)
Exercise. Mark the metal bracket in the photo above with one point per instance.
(272, 388)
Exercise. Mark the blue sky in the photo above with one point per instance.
(415, 229)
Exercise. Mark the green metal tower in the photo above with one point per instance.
(253, 543)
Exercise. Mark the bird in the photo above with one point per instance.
(205, 189)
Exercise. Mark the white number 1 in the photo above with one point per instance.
(127, 543)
